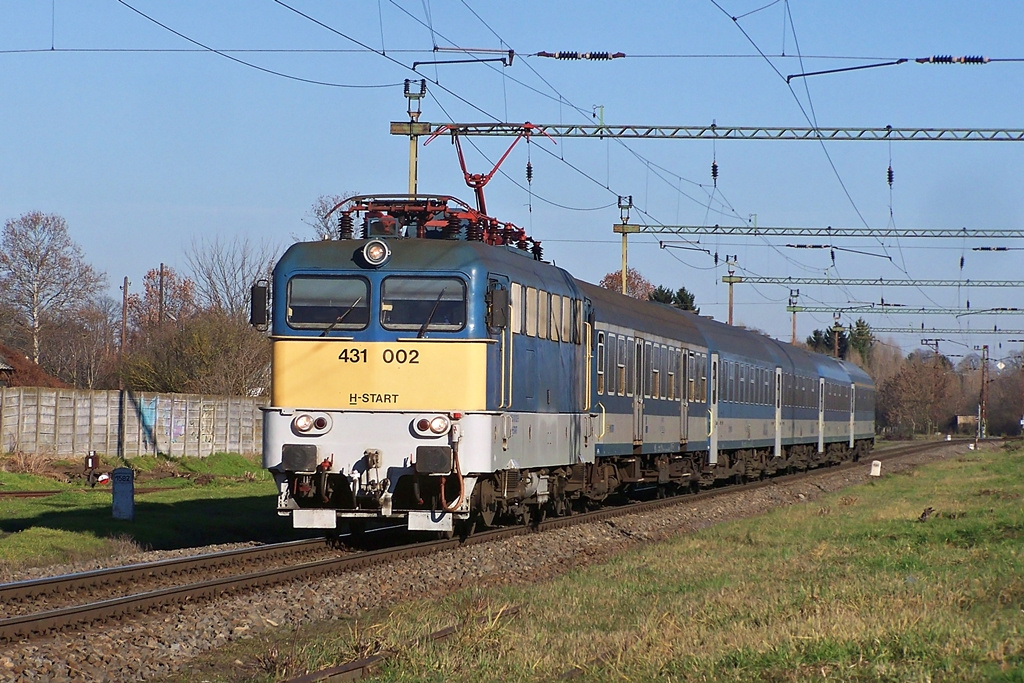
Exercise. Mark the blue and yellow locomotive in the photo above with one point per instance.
(435, 369)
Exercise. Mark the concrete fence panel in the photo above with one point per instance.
(70, 422)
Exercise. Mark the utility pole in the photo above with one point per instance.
(731, 279)
(836, 329)
(624, 227)
(1021, 383)
(414, 92)
(160, 306)
(983, 399)
(794, 296)
(124, 326)
(120, 374)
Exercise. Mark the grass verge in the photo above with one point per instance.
(224, 498)
(849, 587)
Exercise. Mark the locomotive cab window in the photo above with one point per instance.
(339, 303)
(423, 304)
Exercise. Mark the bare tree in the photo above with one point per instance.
(42, 271)
(80, 346)
(209, 353)
(921, 396)
(166, 296)
(224, 271)
(323, 225)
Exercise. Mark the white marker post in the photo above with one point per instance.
(124, 493)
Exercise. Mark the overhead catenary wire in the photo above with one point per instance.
(643, 160)
(606, 184)
(812, 120)
(646, 162)
(243, 62)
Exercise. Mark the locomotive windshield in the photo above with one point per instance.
(423, 304)
(338, 303)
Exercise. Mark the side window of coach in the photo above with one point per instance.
(517, 308)
(531, 312)
(555, 328)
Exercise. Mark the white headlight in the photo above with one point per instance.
(302, 423)
(376, 252)
(439, 425)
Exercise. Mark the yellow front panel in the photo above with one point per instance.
(408, 375)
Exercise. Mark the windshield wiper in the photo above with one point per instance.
(426, 323)
(341, 317)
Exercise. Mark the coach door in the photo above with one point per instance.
(778, 412)
(821, 414)
(638, 391)
(853, 411)
(504, 317)
(713, 413)
(683, 391)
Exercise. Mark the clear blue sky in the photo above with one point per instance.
(143, 141)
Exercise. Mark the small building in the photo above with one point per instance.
(6, 374)
(966, 424)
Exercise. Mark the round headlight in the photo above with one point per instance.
(376, 252)
(303, 423)
(439, 425)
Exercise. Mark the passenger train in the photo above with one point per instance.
(429, 366)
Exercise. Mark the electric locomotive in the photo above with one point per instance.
(429, 366)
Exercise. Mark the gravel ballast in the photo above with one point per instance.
(149, 646)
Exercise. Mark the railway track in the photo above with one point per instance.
(41, 606)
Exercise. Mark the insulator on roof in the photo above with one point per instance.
(345, 226)
(452, 228)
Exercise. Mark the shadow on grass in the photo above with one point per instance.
(166, 526)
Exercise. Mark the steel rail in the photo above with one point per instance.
(20, 590)
(59, 619)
